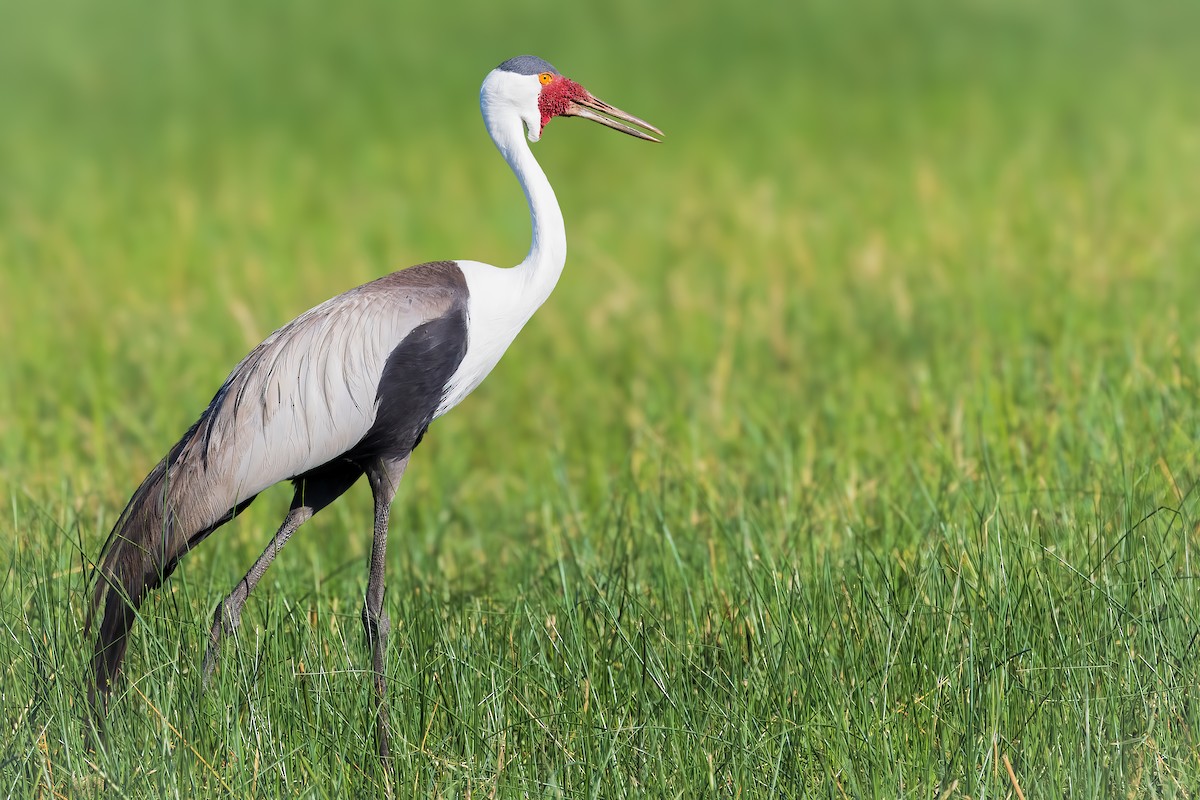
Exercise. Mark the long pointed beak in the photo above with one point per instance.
(612, 117)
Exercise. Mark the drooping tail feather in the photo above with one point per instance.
(158, 527)
(140, 553)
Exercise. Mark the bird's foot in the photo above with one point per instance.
(383, 735)
(377, 626)
(226, 620)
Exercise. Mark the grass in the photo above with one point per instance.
(854, 455)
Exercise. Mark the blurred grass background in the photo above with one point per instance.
(868, 401)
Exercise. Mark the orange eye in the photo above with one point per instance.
(545, 78)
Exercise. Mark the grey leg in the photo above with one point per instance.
(229, 613)
(385, 479)
(314, 491)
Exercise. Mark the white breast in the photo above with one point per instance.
(501, 302)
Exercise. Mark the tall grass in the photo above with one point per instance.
(854, 455)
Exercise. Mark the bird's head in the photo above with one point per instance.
(537, 93)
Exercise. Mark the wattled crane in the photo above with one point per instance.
(346, 389)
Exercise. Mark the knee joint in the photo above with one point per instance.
(227, 616)
(376, 624)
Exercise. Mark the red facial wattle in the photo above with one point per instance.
(556, 97)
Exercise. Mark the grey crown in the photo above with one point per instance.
(528, 65)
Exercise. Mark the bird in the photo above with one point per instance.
(346, 389)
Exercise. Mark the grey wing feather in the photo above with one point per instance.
(308, 393)
(302, 398)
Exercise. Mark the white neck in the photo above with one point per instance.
(503, 300)
(540, 270)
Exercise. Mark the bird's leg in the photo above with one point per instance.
(314, 491)
(229, 612)
(385, 478)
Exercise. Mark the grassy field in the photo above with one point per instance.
(854, 456)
